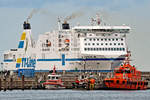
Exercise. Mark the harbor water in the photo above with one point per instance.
(75, 95)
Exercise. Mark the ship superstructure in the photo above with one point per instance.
(78, 48)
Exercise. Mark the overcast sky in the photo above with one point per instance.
(134, 13)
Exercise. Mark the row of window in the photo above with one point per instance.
(104, 30)
(103, 44)
(103, 39)
(104, 49)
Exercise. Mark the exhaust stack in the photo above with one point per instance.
(65, 25)
(26, 25)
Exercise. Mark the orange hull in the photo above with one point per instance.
(113, 83)
(126, 77)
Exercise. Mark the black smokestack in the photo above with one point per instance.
(26, 25)
(65, 25)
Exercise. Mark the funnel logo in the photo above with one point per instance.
(25, 62)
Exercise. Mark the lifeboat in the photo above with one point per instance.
(126, 77)
(54, 81)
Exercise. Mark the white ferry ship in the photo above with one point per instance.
(79, 48)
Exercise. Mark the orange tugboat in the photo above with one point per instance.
(126, 77)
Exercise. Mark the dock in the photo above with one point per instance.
(12, 82)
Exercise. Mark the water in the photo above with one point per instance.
(75, 95)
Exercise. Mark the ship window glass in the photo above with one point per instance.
(97, 49)
(85, 49)
(110, 44)
(91, 49)
(121, 43)
(94, 39)
(97, 39)
(114, 43)
(123, 49)
(101, 39)
(84, 39)
(90, 39)
(117, 49)
(53, 78)
(111, 49)
(97, 43)
(46, 41)
(120, 49)
(88, 49)
(123, 82)
(105, 39)
(93, 43)
(105, 43)
(116, 39)
(100, 49)
(121, 39)
(88, 43)
(114, 49)
(103, 49)
(85, 43)
(108, 49)
(101, 43)
(109, 39)
(113, 39)
(117, 81)
(118, 43)
(94, 49)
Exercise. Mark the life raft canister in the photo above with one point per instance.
(49, 43)
(67, 40)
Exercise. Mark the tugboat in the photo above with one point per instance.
(54, 81)
(126, 77)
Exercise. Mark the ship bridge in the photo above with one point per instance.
(102, 29)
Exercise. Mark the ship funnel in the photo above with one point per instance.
(65, 25)
(26, 25)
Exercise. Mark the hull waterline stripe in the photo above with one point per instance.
(75, 59)
(80, 59)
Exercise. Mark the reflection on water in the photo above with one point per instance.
(74, 95)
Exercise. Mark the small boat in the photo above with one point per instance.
(126, 77)
(54, 81)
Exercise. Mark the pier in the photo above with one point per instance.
(11, 82)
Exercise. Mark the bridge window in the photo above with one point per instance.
(117, 81)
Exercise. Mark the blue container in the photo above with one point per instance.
(26, 72)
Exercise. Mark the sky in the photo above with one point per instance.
(134, 13)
